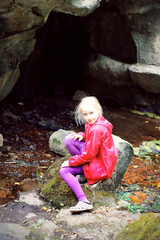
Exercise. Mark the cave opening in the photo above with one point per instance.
(55, 66)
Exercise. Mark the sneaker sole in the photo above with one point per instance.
(81, 210)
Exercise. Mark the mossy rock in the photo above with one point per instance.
(146, 228)
(54, 189)
(56, 144)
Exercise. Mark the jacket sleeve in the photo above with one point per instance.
(91, 149)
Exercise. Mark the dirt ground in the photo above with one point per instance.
(132, 127)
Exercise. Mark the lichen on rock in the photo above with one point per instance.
(146, 227)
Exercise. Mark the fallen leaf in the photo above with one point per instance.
(48, 155)
(135, 166)
(44, 208)
(16, 183)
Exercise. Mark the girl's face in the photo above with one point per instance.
(90, 114)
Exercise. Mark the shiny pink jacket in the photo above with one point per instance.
(100, 154)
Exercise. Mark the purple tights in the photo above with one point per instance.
(69, 173)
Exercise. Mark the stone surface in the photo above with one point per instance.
(124, 158)
(106, 221)
(7, 82)
(136, 6)
(28, 184)
(108, 71)
(30, 198)
(78, 7)
(12, 231)
(5, 5)
(143, 20)
(146, 77)
(14, 50)
(1, 140)
(102, 223)
(33, 223)
(74, 7)
(20, 19)
(39, 7)
(48, 228)
(108, 34)
(145, 32)
(56, 142)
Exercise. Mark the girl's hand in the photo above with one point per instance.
(77, 136)
(65, 163)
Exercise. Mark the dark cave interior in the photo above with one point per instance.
(55, 66)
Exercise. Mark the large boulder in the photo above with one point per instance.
(56, 142)
(14, 50)
(142, 74)
(142, 20)
(124, 158)
(55, 190)
(145, 32)
(78, 8)
(108, 71)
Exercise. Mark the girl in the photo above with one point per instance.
(93, 152)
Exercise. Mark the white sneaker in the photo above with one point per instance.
(82, 206)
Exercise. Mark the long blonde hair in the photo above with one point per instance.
(91, 100)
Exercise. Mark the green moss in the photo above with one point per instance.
(54, 140)
(52, 170)
(146, 228)
(57, 192)
(105, 194)
(53, 187)
(151, 115)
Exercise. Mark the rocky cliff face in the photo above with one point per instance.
(112, 47)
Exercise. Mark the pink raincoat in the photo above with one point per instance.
(100, 154)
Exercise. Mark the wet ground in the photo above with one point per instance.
(26, 128)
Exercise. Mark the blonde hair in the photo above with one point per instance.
(91, 100)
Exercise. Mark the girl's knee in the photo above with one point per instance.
(68, 140)
(63, 171)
